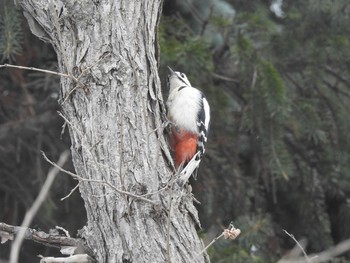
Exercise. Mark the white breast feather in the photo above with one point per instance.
(183, 107)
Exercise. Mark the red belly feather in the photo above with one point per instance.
(184, 144)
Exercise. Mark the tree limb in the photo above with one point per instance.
(30, 214)
(81, 258)
(36, 69)
(8, 232)
(324, 256)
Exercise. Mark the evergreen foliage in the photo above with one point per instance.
(11, 34)
(279, 144)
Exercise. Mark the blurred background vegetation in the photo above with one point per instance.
(276, 74)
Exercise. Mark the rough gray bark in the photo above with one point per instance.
(113, 107)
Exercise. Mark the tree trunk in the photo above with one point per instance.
(113, 107)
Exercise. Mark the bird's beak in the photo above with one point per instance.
(171, 71)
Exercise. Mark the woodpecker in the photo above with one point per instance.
(189, 114)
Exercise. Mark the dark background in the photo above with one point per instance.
(278, 150)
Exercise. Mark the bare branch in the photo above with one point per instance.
(36, 69)
(58, 166)
(299, 245)
(69, 93)
(35, 207)
(98, 181)
(71, 192)
(41, 237)
(81, 258)
(230, 233)
(64, 230)
(67, 121)
(333, 252)
(320, 257)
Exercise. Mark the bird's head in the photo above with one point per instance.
(176, 80)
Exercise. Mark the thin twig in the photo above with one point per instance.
(35, 69)
(71, 192)
(299, 245)
(69, 93)
(38, 236)
(63, 230)
(59, 167)
(230, 233)
(205, 249)
(277, 160)
(81, 179)
(168, 185)
(35, 207)
(67, 121)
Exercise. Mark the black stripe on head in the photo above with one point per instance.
(182, 77)
(183, 80)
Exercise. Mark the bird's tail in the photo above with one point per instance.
(189, 169)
